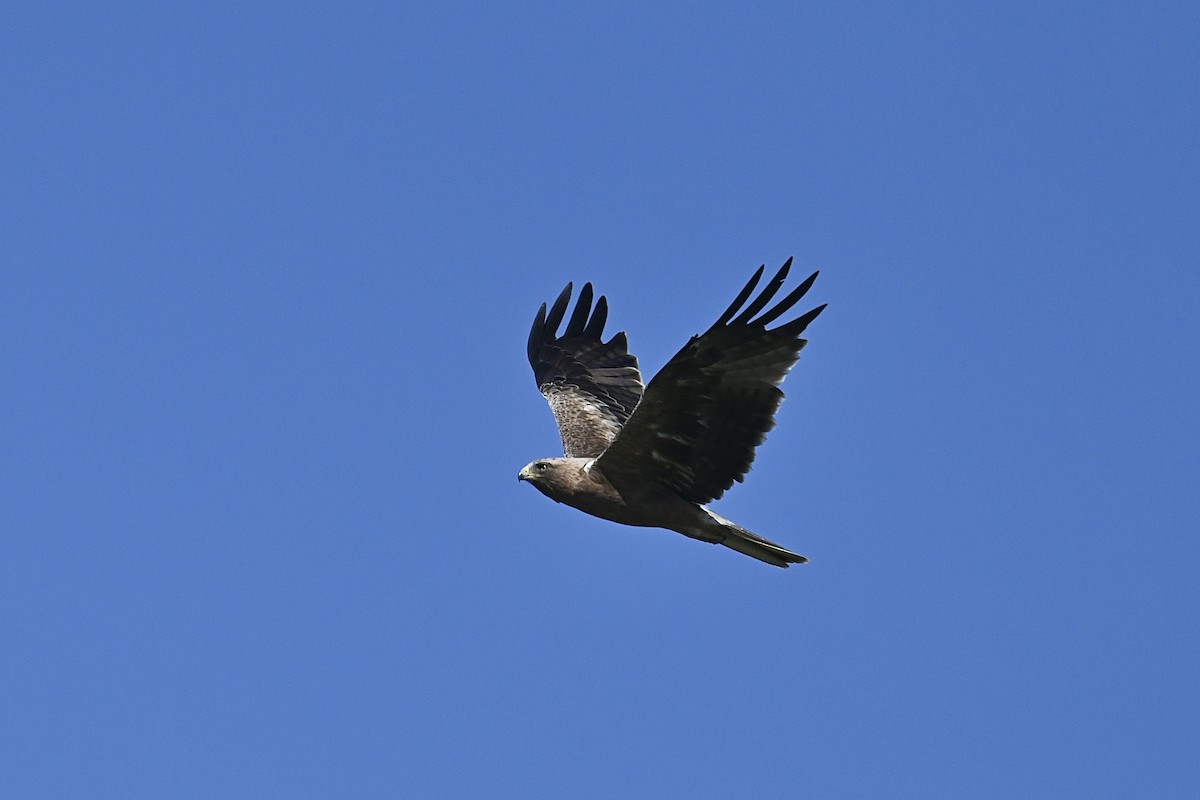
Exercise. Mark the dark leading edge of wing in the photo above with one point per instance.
(715, 400)
(592, 386)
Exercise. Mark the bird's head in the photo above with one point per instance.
(557, 478)
(543, 476)
(534, 471)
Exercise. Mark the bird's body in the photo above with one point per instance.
(577, 483)
(653, 456)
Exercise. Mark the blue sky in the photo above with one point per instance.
(268, 272)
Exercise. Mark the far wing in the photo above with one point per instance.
(592, 386)
(714, 402)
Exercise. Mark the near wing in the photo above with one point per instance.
(715, 400)
(591, 386)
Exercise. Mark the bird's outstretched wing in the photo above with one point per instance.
(592, 386)
(696, 428)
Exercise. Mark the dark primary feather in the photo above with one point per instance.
(592, 386)
(696, 428)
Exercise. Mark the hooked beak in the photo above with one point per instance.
(523, 475)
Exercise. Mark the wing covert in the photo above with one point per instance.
(592, 386)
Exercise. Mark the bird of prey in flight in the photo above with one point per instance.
(654, 456)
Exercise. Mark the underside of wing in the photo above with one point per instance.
(592, 386)
(706, 411)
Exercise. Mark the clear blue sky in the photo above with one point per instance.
(267, 275)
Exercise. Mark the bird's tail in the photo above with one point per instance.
(738, 538)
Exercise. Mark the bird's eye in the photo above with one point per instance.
(540, 467)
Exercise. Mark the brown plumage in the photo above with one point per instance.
(654, 457)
